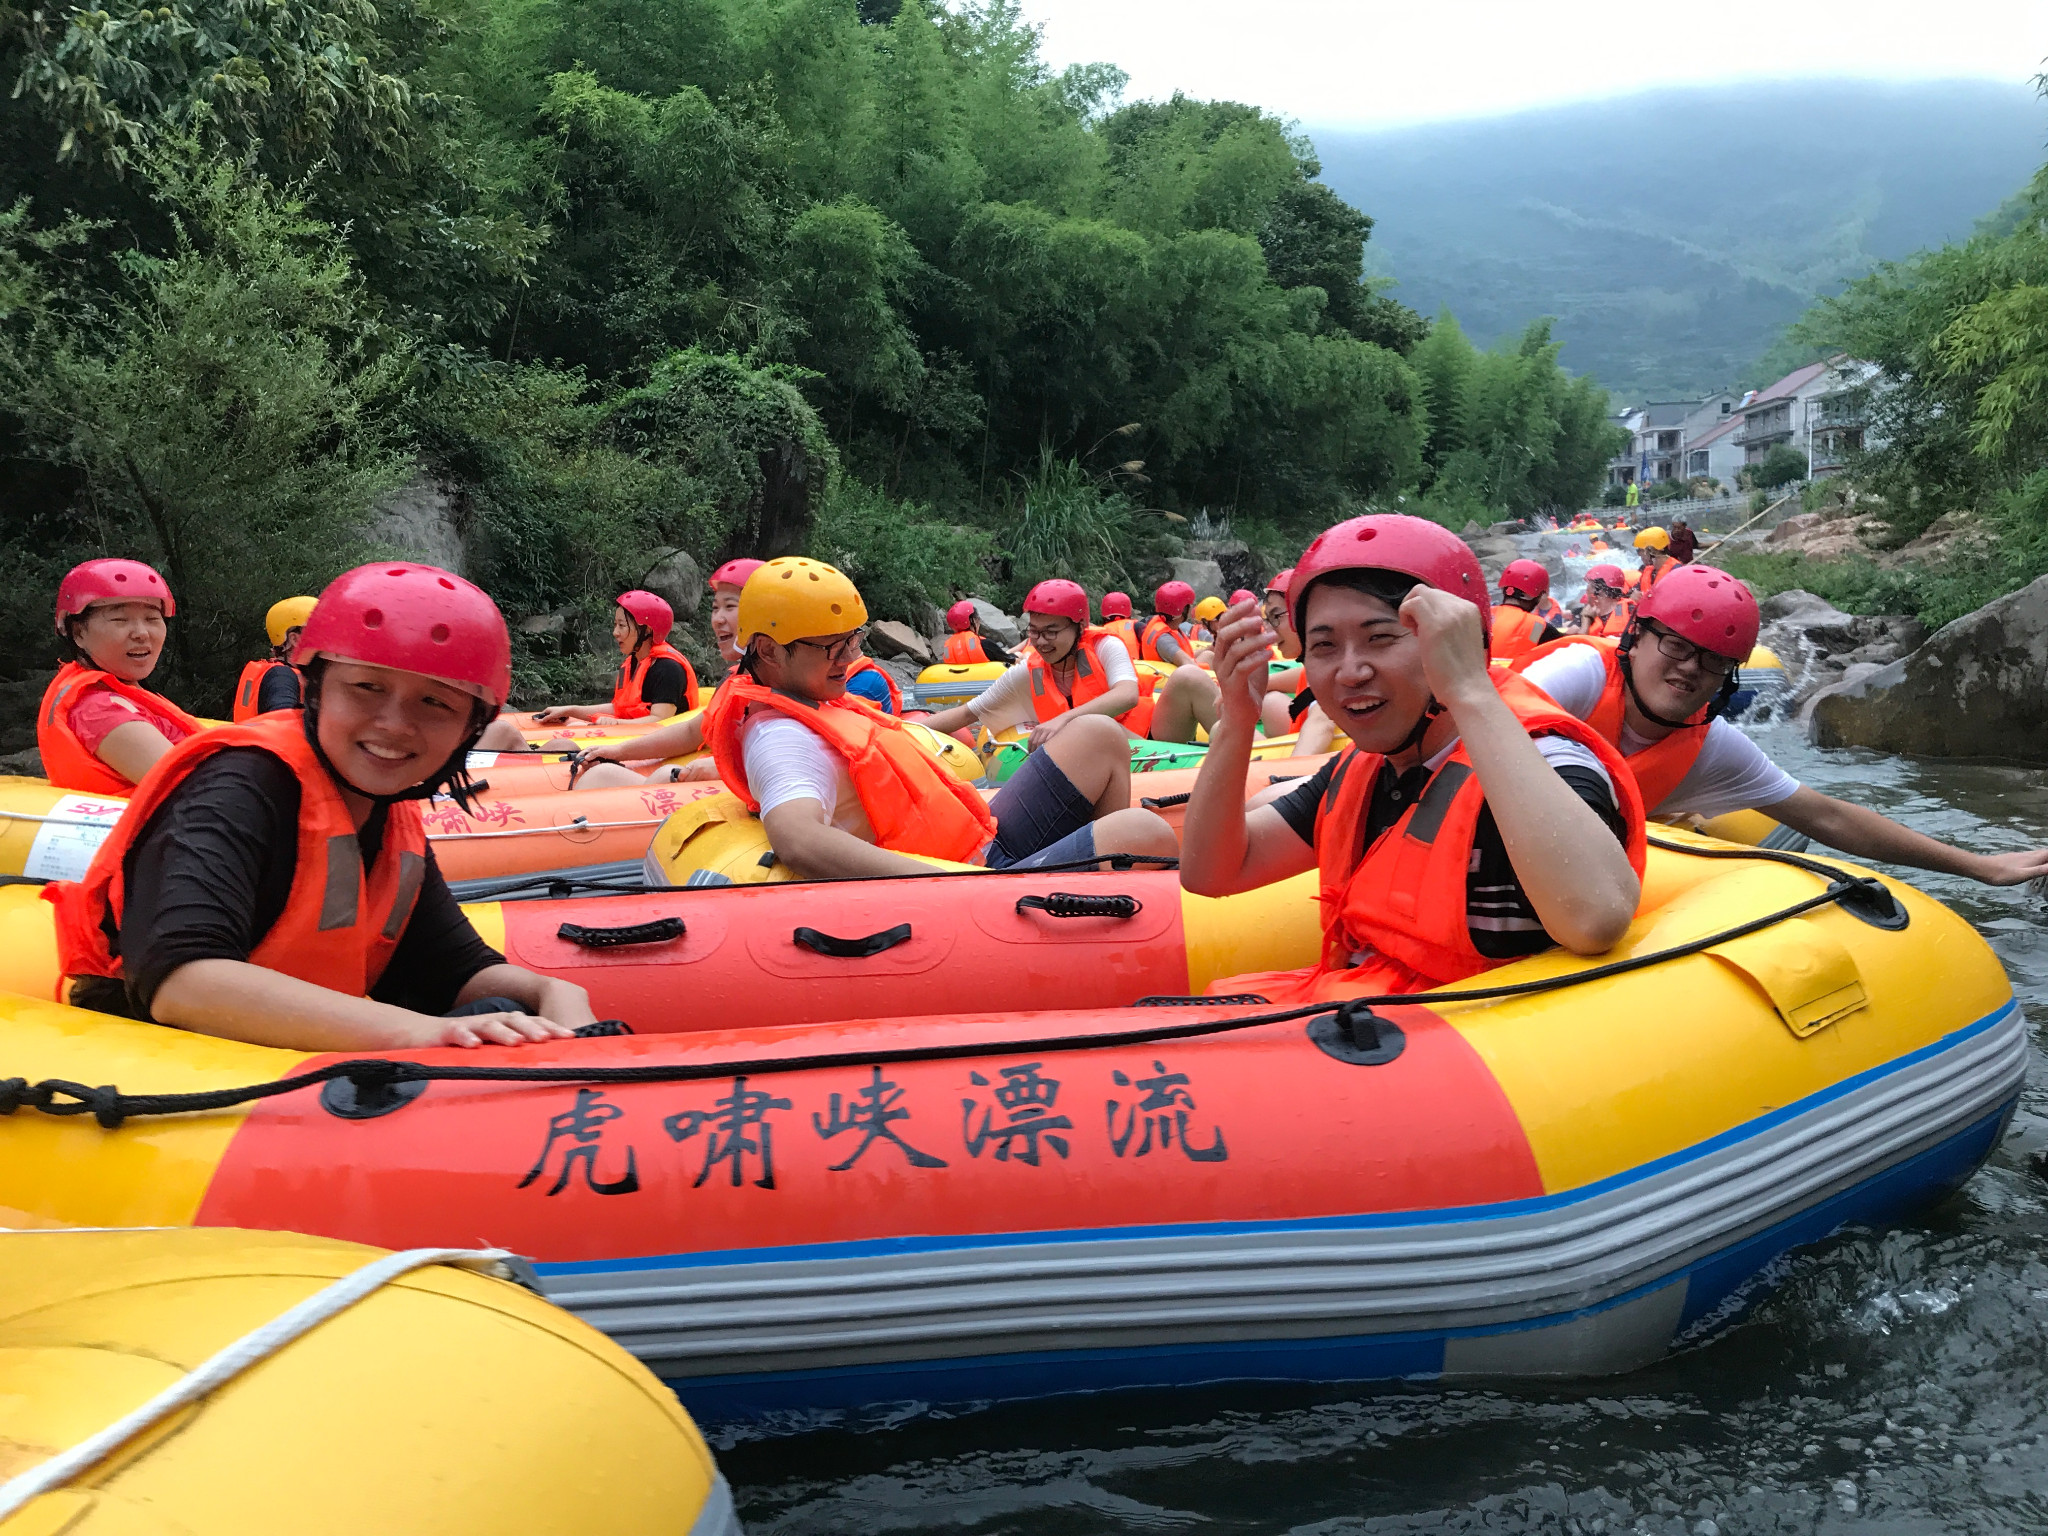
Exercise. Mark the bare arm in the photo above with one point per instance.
(1223, 849)
(1865, 834)
(809, 844)
(664, 741)
(239, 1001)
(959, 718)
(1575, 872)
(131, 750)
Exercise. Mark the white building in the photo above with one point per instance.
(1821, 410)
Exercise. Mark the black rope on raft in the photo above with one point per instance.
(109, 1106)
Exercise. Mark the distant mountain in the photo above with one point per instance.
(1675, 232)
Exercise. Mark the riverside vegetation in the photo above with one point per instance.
(1960, 423)
(861, 278)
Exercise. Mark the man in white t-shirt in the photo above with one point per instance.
(1657, 693)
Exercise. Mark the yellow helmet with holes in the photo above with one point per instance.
(797, 599)
(286, 615)
(1653, 538)
(1210, 609)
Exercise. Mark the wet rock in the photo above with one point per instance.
(28, 764)
(1006, 631)
(677, 580)
(1792, 604)
(888, 641)
(1878, 651)
(419, 521)
(1205, 576)
(544, 624)
(1978, 688)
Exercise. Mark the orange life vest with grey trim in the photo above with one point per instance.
(66, 762)
(963, 649)
(626, 701)
(1516, 631)
(1090, 682)
(1659, 767)
(1158, 628)
(1610, 627)
(1403, 900)
(915, 804)
(339, 926)
(250, 685)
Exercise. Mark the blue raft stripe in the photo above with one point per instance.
(1499, 1210)
(1711, 1281)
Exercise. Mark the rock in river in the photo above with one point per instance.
(1978, 688)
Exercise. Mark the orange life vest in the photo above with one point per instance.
(1090, 682)
(1659, 767)
(1157, 628)
(1516, 631)
(914, 804)
(250, 685)
(1400, 906)
(868, 664)
(626, 701)
(337, 929)
(1125, 630)
(1646, 579)
(66, 763)
(963, 648)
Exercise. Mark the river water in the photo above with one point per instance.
(1891, 1384)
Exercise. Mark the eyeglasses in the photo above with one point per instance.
(843, 649)
(1713, 663)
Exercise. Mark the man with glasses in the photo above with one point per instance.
(1658, 692)
(844, 790)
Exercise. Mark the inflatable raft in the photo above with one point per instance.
(1569, 1166)
(1763, 682)
(420, 1396)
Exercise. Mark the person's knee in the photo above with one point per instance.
(501, 736)
(1135, 831)
(608, 776)
(1092, 737)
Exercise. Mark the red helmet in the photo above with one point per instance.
(1281, 581)
(1525, 578)
(1116, 605)
(1173, 599)
(734, 573)
(1062, 599)
(1393, 541)
(650, 611)
(960, 617)
(1243, 595)
(414, 618)
(1708, 607)
(1607, 575)
(109, 581)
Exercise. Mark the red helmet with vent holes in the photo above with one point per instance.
(1173, 599)
(1706, 606)
(1392, 541)
(414, 618)
(1059, 598)
(1525, 578)
(960, 617)
(110, 581)
(1116, 605)
(734, 573)
(650, 611)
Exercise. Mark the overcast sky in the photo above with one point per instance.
(1369, 63)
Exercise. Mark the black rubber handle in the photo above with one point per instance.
(662, 930)
(1067, 904)
(852, 949)
(604, 1027)
(1161, 802)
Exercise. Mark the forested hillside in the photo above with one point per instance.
(1674, 233)
(633, 276)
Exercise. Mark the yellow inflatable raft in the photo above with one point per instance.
(420, 1397)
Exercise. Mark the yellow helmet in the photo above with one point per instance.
(1210, 609)
(1653, 538)
(795, 599)
(286, 615)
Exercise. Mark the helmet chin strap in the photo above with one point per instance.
(1423, 722)
(1628, 680)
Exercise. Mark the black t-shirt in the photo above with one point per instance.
(279, 689)
(1498, 913)
(210, 875)
(663, 684)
